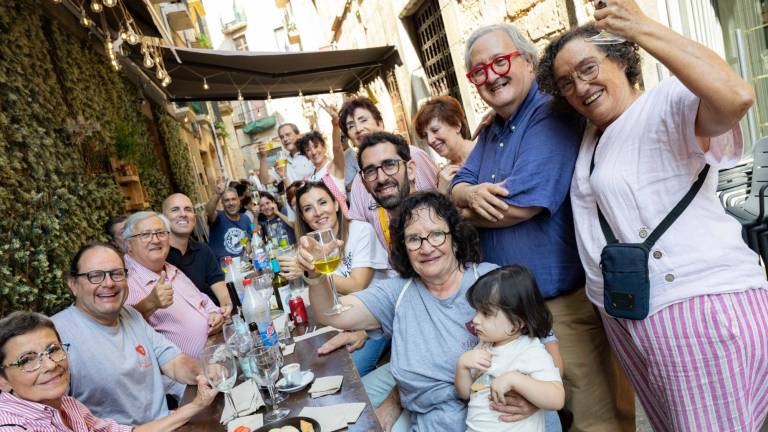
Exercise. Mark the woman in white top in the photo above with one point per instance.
(699, 360)
(363, 256)
(312, 145)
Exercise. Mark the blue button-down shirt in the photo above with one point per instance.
(533, 153)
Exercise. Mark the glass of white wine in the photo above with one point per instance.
(326, 257)
(604, 38)
(220, 370)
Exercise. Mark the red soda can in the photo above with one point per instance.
(298, 311)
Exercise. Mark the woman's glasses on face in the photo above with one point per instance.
(585, 72)
(32, 361)
(413, 242)
(500, 65)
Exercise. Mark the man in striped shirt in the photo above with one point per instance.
(164, 295)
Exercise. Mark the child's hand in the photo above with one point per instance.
(502, 385)
(476, 359)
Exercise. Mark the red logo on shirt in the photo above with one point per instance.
(140, 349)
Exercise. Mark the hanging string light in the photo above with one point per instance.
(148, 62)
(239, 95)
(56, 1)
(84, 20)
(110, 3)
(96, 6)
(205, 84)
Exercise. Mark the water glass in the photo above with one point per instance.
(266, 367)
(220, 369)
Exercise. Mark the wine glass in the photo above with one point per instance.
(266, 367)
(220, 369)
(326, 257)
(604, 38)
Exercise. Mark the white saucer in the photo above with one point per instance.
(306, 378)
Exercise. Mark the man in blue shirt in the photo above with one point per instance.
(228, 226)
(514, 188)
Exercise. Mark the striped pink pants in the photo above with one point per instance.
(699, 365)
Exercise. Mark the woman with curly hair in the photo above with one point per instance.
(693, 342)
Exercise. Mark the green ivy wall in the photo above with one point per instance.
(56, 191)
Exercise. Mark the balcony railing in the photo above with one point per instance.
(236, 24)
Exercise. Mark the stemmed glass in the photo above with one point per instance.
(220, 370)
(266, 367)
(604, 37)
(238, 342)
(326, 258)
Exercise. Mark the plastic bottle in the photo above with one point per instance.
(244, 338)
(260, 259)
(233, 268)
(257, 312)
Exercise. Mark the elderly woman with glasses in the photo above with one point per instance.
(698, 359)
(34, 376)
(425, 310)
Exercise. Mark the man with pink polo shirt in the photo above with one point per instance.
(162, 293)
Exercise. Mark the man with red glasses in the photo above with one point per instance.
(514, 189)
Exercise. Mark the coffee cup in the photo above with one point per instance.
(292, 374)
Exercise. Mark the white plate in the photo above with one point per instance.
(306, 378)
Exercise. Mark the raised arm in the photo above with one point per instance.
(213, 202)
(264, 175)
(725, 97)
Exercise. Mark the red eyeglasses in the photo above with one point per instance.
(500, 65)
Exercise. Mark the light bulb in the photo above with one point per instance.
(132, 38)
(205, 84)
(123, 34)
(269, 97)
(160, 73)
(239, 95)
(166, 81)
(96, 6)
(148, 62)
(110, 3)
(56, 1)
(331, 90)
(84, 20)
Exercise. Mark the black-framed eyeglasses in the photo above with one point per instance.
(98, 276)
(413, 242)
(500, 65)
(30, 362)
(390, 167)
(586, 72)
(146, 237)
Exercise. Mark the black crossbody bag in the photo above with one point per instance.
(626, 285)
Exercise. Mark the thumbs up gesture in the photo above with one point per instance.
(162, 292)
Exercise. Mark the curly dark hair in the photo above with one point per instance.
(312, 136)
(626, 54)
(466, 242)
(351, 105)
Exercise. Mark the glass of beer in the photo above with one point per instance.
(326, 257)
(282, 159)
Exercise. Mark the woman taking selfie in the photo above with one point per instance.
(690, 329)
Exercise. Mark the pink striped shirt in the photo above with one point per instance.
(17, 414)
(363, 207)
(185, 322)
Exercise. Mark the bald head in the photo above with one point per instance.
(180, 211)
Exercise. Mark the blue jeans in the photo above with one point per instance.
(366, 357)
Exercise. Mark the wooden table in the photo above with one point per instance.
(338, 362)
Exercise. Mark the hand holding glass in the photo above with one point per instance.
(326, 257)
(604, 38)
(220, 370)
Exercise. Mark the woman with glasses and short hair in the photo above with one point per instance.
(692, 337)
(34, 377)
(425, 311)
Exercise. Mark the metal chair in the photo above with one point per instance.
(751, 212)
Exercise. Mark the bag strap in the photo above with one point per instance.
(666, 222)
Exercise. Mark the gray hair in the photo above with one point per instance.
(134, 219)
(522, 43)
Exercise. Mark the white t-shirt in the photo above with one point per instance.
(363, 249)
(318, 176)
(526, 355)
(647, 159)
(299, 168)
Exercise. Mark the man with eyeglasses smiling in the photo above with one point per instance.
(190, 316)
(114, 354)
(514, 188)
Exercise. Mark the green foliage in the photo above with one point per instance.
(63, 114)
(178, 155)
(203, 40)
